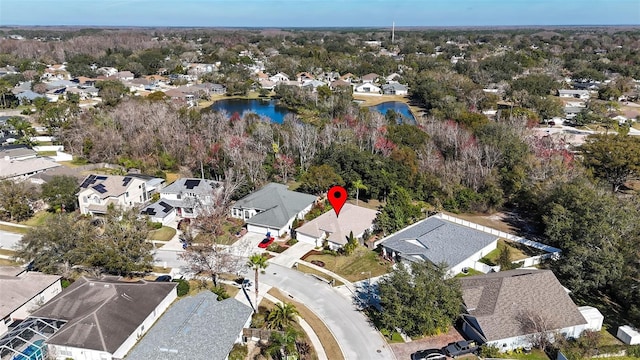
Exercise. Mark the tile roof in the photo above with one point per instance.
(102, 314)
(16, 289)
(198, 327)
(438, 241)
(497, 300)
(352, 218)
(276, 203)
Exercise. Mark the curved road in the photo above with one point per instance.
(357, 338)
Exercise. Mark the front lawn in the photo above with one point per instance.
(535, 354)
(165, 233)
(13, 229)
(38, 218)
(355, 267)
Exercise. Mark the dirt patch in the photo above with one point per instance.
(404, 350)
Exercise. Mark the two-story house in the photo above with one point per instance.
(189, 196)
(98, 192)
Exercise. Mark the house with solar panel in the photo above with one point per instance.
(189, 196)
(99, 192)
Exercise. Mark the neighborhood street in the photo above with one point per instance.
(357, 338)
(9, 240)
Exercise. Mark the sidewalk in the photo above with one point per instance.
(14, 224)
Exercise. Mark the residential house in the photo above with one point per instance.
(439, 241)
(124, 75)
(22, 169)
(98, 192)
(279, 77)
(571, 111)
(189, 196)
(366, 88)
(22, 292)
(27, 97)
(348, 77)
(305, 76)
(313, 84)
(499, 308)
(107, 71)
(272, 209)
(153, 185)
(340, 84)
(17, 152)
(370, 78)
(576, 94)
(160, 212)
(336, 229)
(104, 318)
(394, 89)
(197, 327)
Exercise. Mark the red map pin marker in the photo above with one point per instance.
(337, 196)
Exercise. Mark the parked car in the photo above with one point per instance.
(266, 242)
(460, 348)
(163, 278)
(429, 354)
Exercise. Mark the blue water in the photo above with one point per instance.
(269, 109)
(33, 352)
(399, 107)
(263, 108)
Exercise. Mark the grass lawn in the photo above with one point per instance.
(355, 267)
(517, 252)
(47, 153)
(13, 229)
(327, 340)
(225, 239)
(75, 163)
(486, 220)
(196, 286)
(171, 177)
(308, 270)
(471, 272)
(7, 252)
(161, 270)
(5, 262)
(38, 218)
(165, 233)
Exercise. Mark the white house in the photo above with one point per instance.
(279, 77)
(500, 308)
(336, 229)
(98, 192)
(189, 196)
(22, 292)
(104, 318)
(160, 212)
(395, 89)
(272, 209)
(367, 88)
(439, 241)
(576, 94)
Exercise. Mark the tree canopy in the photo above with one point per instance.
(418, 300)
(613, 158)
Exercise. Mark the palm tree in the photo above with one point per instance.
(358, 185)
(281, 316)
(257, 262)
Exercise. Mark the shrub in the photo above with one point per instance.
(292, 242)
(221, 292)
(155, 225)
(65, 283)
(489, 351)
(239, 352)
(634, 351)
(183, 287)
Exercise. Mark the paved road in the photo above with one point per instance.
(357, 339)
(9, 240)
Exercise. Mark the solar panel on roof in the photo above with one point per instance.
(166, 207)
(126, 181)
(101, 177)
(190, 184)
(149, 211)
(88, 181)
(100, 188)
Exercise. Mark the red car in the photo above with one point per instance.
(266, 242)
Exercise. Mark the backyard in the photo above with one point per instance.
(517, 252)
(360, 265)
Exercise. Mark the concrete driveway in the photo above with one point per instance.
(357, 338)
(404, 350)
(9, 240)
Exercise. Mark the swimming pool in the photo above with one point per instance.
(36, 351)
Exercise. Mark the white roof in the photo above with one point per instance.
(351, 218)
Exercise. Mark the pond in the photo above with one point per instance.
(270, 109)
(264, 108)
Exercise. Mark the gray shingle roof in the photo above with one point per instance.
(198, 327)
(102, 314)
(192, 185)
(496, 300)
(438, 241)
(276, 203)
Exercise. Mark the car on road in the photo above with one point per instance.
(429, 354)
(460, 348)
(266, 242)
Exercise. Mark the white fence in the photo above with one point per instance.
(484, 268)
(62, 156)
(48, 148)
(551, 252)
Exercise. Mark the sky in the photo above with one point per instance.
(318, 13)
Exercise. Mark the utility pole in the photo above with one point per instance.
(393, 32)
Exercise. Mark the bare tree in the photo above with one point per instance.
(537, 327)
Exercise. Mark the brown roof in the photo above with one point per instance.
(371, 76)
(340, 83)
(497, 300)
(102, 314)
